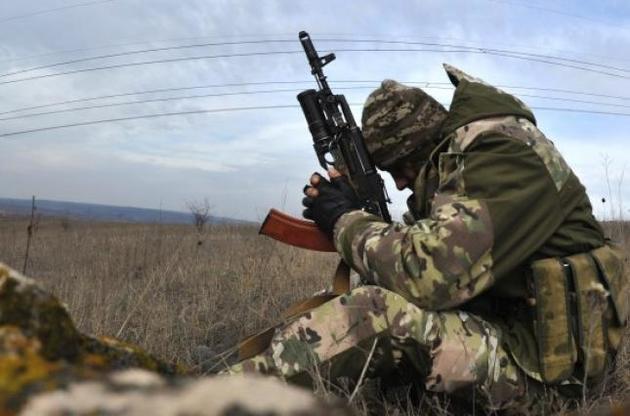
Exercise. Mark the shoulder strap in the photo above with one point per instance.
(256, 344)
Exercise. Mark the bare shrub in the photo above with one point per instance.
(65, 224)
(200, 211)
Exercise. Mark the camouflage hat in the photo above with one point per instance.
(399, 120)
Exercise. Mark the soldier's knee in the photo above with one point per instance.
(400, 315)
(379, 297)
(371, 290)
(379, 294)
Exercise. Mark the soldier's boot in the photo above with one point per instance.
(377, 330)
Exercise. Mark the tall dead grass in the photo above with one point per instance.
(155, 286)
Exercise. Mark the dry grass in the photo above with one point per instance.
(153, 285)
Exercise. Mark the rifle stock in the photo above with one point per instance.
(296, 232)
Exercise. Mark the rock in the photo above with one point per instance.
(41, 349)
(139, 392)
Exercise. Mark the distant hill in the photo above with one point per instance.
(95, 212)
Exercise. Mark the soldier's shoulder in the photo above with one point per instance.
(511, 134)
(502, 129)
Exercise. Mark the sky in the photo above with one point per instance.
(246, 162)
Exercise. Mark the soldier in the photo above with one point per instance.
(499, 282)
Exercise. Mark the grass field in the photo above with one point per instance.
(155, 286)
(158, 287)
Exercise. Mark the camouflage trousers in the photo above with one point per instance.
(374, 331)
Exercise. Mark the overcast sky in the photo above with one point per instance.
(246, 162)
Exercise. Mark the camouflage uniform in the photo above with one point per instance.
(449, 350)
(447, 295)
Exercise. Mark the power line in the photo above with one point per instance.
(290, 52)
(525, 57)
(573, 100)
(137, 42)
(93, 48)
(423, 84)
(566, 91)
(320, 37)
(234, 109)
(554, 11)
(483, 50)
(56, 9)
(156, 100)
(127, 94)
(170, 98)
(515, 55)
(143, 51)
(541, 59)
(156, 115)
(492, 51)
(271, 91)
(158, 61)
(577, 110)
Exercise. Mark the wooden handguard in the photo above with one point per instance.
(295, 232)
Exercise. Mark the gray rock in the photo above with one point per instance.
(140, 392)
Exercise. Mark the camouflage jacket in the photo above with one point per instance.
(494, 196)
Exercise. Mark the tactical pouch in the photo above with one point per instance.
(573, 317)
(556, 346)
(612, 263)
(591, 302)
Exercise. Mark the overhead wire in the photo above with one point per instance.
(537, 57)
(541, 59)
(137, 52)
(529, 57)
(155, 115)
(52, 10)
(476, 48)
(424, 84)
(269, 91)
(529, 5)
(94, 48)
(156, 100)
(532, 57)
(290, 52)
(154, 91)
(320, 37)
(248, 108)
(152, 62)
(138, 42)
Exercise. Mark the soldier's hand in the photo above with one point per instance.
(326, 201)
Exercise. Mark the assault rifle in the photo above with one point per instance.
(338, 142)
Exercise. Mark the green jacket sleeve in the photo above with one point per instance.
(496, 204)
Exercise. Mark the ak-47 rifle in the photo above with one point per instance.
(335, 134)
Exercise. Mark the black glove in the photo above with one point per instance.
(335, 199)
